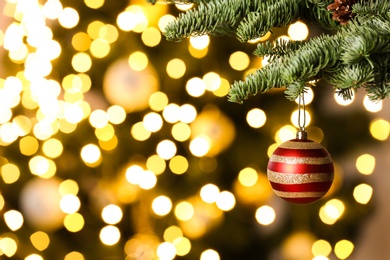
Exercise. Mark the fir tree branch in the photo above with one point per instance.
(317, 13)
(363, 40)
(277, 49)
(216, 18)
(306, 63)
(261, 81)
(351, 76)
(371, 7)
(259, 22)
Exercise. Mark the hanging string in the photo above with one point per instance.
(301, 102)
(301, 134)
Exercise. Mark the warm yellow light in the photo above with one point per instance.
(187, 113)
(178, 164)
(343, 102)
(225, 201)
(209, 193)
(94, 28)
(156, 164)
(151, 37)
(81, 62)
(139, 132)
(73, 113)
(68, 187)
(133, 174)
(105, 133)
(110, 235)
(172, 233)
(308, 96)
(18, 55)
(13, 219)
(153, 122)
(33, 257)
(176, 68)
(166, 251)
(52, 9)
(98, 118)
(112, 214)
(321, 248)
(68, 18)
(38, 165)
(223, 89)
(161, 206)
(81, 41)
(100, 48)
(40, 240)
(265, 215)
(365, 164)
(49, 50)
(363, 193)
(304, 118)
(182, 245)
(116, 114)
(285, 133)
(372, 106)
(256, 118)
(36, 67)
(8, 246)
(10, 173)
(380, 129)
(331, 211)
(198, 54)
(239, 60)
(158, 101)
(181, 132)
(184, 7)
(209, 254)
(200, 42)
(298, 31)
(343, 249)
(91, 154)
(138, 61)
(109, 33)
(94, 4)
(166, 149)
(164, 21)
(74, 256)
(184, 211)
(70, 204)
(171, 113)
(147, 180)
(212, 81)
(52, 148)
(248, 177)
(200, 146)
(74, 222)
(13, 37)
(196, 87)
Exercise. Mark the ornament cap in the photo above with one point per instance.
(302, 135)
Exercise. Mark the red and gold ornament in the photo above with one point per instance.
(300, 170)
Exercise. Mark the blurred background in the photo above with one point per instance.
(117, 144)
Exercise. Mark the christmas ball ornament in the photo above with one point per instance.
(300, 170)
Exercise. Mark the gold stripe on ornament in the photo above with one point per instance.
(301, 145)
(291, 178)
(309, 194)
(300, 160)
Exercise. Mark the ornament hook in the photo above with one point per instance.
(301, 134)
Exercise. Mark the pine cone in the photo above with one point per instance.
(342, 10)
